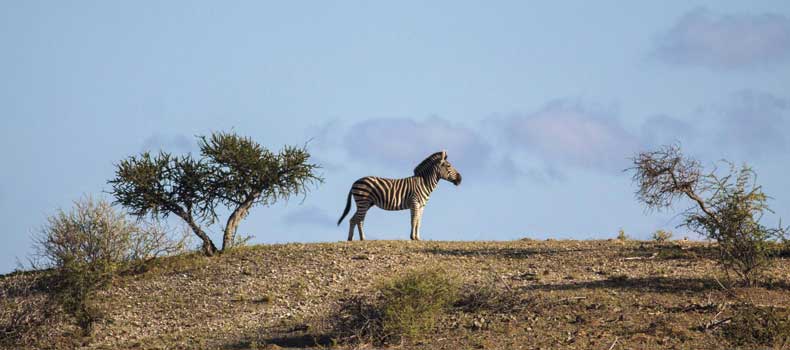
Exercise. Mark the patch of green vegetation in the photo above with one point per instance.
(662, 236)
(621, 236)
(408, 307)
(411, 303)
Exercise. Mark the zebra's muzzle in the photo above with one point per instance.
(457, 180)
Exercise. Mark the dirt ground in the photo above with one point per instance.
(569, 294)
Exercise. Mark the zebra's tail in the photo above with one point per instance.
(345, 211)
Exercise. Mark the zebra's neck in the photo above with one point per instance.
(431, 179)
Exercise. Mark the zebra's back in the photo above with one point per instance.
(387, 194)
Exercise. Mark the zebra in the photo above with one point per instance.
(399, 194)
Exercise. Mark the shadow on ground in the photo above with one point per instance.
(657, 251)
(643, 284)
(287, 341)
(506, 252)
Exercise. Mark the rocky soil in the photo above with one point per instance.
(563, 294)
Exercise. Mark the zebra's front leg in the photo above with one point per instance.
(419, 223)
(416, 213)
(413, 234)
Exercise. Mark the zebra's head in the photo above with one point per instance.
(438, 164)
(447, 171)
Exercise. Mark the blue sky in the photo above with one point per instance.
(539, 104)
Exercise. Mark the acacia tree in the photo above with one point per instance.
(726, 208)
(244, 174)
(234, 171)
(160, 185)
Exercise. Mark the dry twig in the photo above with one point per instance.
(615, 342)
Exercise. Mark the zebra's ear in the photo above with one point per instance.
(444, 154)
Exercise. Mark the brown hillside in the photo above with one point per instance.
(562, 294)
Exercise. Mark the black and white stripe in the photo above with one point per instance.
(399, 194)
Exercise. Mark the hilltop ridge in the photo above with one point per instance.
(568, 294)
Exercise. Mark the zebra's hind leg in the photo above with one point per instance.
(361, 232)
(351, 230)
(357, 220)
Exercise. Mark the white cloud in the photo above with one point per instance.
(404, 142)
(702, 38)
(569, 133)
(755, 123)
(662, 129)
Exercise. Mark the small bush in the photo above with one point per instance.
(662, 236)
(407, 307)
(411, 303)
(621, 236)
(784, 247)
(758, 326)
(88, 245)
(728, 207)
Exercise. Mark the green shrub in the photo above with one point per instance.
(621, 236)
(411, 303)
(784, 248)
(662, 236)
(407, 307)
(88, 245)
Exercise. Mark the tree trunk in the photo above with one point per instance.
(235, 218)
(209, 249)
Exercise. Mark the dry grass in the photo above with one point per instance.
(758, 326)
(518, 294)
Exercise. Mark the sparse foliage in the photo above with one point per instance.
(162, 184)
(234, 171)
(621, 236)
(662, 236)
(244, 174)
(88, 245)
(727, 208)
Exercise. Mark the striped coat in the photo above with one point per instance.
(399, 194)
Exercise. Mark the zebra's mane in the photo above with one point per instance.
(428, 163)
